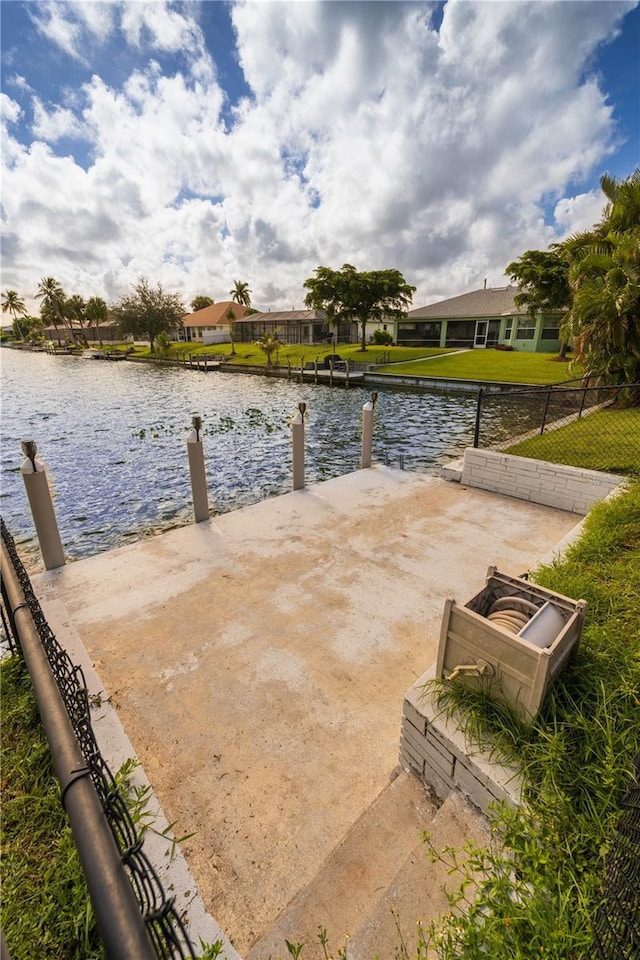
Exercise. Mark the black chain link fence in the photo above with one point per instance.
(573, 423)
(616, 926)
(164, 924)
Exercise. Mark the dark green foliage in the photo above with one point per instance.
(148, 311)
(382, 338)
(349, 295)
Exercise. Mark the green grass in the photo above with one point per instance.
(606, 440)
(510, 367)
(491, 365)
(46, 910)
(540, 886)
(295, 353)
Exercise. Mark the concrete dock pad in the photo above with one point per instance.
(258, 661)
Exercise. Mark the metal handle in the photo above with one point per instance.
(480, 669)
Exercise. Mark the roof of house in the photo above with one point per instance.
(285, 316)
(213, 315)
(491, 302)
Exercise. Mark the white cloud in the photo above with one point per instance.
(51, 126)
(9, 109)
(162, 26)
(574, 214)
(369, 138)
(56, 25)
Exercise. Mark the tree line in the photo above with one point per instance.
(146, 312)
(592, 278)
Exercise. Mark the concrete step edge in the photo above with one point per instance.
(350, 880)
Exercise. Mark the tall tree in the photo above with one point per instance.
(74, 312)
(14, 305)
(346, 294)
(149, 310)
(543, 279)
(53, 299)
(96, 312)
(241, 293)
(604, 273)
(200, 302)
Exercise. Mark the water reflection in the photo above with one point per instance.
(113, 438)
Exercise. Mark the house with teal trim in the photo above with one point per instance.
(482, 318)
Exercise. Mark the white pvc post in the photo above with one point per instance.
(297, 438)
(44, 517)
(367, 431)
(195, 451)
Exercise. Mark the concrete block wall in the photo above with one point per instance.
(435, 748)
(555, 485)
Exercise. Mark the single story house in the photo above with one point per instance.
(104, 332)
(291, 326)
(211, 324)
(482, 318)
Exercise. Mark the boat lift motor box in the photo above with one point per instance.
(512, 639)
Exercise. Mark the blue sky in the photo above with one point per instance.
(203, 143)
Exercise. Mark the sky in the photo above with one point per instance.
(201, 143)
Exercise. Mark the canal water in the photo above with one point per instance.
(112, 436)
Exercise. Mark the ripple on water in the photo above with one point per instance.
(113, 439)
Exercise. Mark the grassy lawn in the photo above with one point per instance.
(249, 353)
(46, 911)
(606, 440)
(501, 365)
(510, 367)
(541, 890)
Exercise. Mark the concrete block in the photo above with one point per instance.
(527, 466)
(558, 500)
(439, 784)
(409, 761)
(443, 763)
(474, 791)
(415, 718)
(417, 743)
(503, 782)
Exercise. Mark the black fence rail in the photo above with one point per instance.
(138, 919)
(515, 416)
(616, 926)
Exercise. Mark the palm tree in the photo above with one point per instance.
(53, 299)
(200, 302)
(96, 313)
(13, 304)
(268, 343)
(241, 293)
(604, 274)
(75, 312)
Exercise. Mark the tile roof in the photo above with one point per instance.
(214, 314)
(492, 302)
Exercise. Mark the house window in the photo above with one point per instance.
(526, 329)
(508, 330)
(551, 333)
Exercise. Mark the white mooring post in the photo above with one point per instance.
(297, 438)
(367, 431)
(195, 450)
(44, 517)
